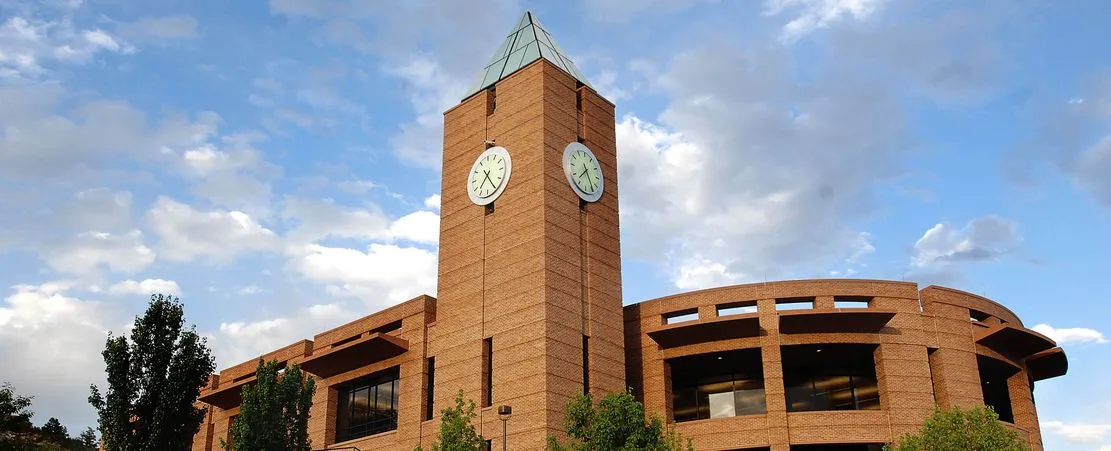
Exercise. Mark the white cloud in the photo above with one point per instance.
(28, 45)
(186, 233)
(432, 202)
(747, 175)
(1077, 432)
(40, 143)
(981, 239)
(41, 326)
(145, 287)
(319, 219)
(237, 342)
(86, 253)
(813, 15)
(1070, 334)
(627, 10)
(383, 275)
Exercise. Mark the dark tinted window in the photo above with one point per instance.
(717, 385)
(367, 406)
(830, 377)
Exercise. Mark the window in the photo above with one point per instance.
(717, 385)
(586, 364)
(977, 316)
(851, 301)
(492, 101)
(681, 316)
(368, 405)
(830, 377)
(488, 372)
(737, 308)
(794, 303)
(993, 383)
(430, 394)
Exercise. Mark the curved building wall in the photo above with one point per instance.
(929, 347)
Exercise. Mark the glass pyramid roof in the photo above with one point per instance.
(527, 42)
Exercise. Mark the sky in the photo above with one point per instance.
(276, 164)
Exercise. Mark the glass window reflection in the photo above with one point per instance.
(830, 377)
(368, 405)
(718, 385)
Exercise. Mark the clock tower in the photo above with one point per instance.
(529, 310)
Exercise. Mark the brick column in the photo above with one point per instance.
(1022, 406)
(903, 371)
(774, 390)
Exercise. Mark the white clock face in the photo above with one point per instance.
(583, 172)
(489, 175)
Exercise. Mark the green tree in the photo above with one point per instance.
(274, 413)
(974, 429)
(15, 415)
(457, 433)
(88, 438)
(153, 382)
(54, 431)
(617, 422)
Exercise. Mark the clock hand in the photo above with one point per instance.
(487, 179)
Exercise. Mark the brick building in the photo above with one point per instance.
(529, 312)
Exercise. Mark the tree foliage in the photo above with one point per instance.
(153, 382)
(15, 413)
(18, 434)
(617, 422)
(974, 429)
(87, 438)
(274, 413)
(457, 433)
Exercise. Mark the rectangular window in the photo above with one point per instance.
(794, 303)
(491, 101)
(830, 377)
(717, 385)
(681, 316)
(993, 383)
(737, 308)
(851, 301)
(430, 387)
(586, 364)
(580, 118)
(368, 405)
(977, 316)
(488, 372)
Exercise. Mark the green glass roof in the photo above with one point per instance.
(527, 42)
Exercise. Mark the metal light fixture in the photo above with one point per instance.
(504, 412)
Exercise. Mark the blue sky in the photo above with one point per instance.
(276, 163)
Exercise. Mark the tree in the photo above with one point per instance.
(617, 422)
(88, 438)
(14, 413)
(974, 429)
(153, 382)
(54, 431)
(457, 433)
(274, 413)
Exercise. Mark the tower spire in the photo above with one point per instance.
(528, 41)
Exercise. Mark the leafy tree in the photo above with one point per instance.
(274, 413)
(14, 413)
(457, 433)
(87, 438)
(974, 429)
(617, 422)
(54, 431)
(153, 382)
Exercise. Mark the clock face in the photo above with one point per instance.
(583, 172)
(489, 175)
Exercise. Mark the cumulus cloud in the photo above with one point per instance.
(41, 143)
(317, 219)
(186, 233)
(1077, 432)
(145, 287)
(240, 341)
(43, 325)
(747, 172)
(86, 253)
(811, 15)
(981, 239)
(432, 202)
(382, 275)
(1070, 334)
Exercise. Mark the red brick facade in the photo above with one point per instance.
(540, 271)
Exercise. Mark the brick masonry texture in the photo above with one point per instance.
(540, 271)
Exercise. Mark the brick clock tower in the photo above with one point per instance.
(529, 298)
